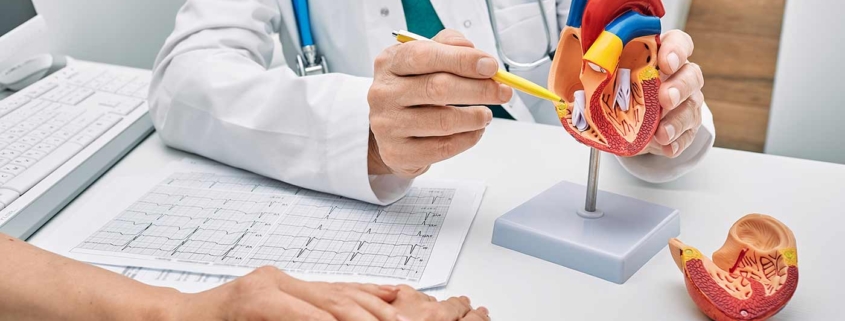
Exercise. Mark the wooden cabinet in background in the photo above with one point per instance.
(736, 45)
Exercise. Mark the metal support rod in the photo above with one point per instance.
(593, 180)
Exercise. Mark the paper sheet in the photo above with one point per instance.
(205, 218)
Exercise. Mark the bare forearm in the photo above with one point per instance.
(39, 285)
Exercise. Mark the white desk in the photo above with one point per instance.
(520, 160)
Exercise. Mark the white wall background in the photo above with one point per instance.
(123, 32)
(807, 117)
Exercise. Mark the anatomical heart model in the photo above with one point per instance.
(605, 70)
(750, 278)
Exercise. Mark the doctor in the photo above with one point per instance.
(383, 115)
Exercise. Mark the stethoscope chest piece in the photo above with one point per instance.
(311, 64)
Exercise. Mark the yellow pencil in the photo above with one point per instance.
(501, 76)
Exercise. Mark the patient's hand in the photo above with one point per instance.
(270, 294)
(420, 307)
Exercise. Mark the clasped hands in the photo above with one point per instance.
(270, 294)
(416, 85)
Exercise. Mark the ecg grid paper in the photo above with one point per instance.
(251, 221)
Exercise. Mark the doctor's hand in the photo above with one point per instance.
(679, 94)
(413, 122)
(270, 294)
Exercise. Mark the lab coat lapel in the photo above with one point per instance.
(289, 35)
(470, 18)
(286, 7)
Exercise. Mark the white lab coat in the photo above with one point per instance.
(215, 92)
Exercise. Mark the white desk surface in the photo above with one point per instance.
(519, 160)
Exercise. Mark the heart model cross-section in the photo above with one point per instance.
(605, 68)
(751, 277)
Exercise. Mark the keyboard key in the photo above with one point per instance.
(5, 177)
(21, 147)
(128, 106)
(101, 125)
(67, 73)
(57, 94)
(23, 182)
(39, 133)
(87, 118)
(63, 134)
(53, 141)
(29, 140)
(12, 169)
(15, 102)
(83, 139)
(4, 161)
(10, 154)
(8, 196)
(68, 114)
(77, 96)
(9, 138)
(44, 147)
(24, 161)
(40, 88)
(33, 153)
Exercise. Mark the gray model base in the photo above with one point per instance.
(612, 247)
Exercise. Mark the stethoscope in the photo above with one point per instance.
(511, 64)
(311, 63)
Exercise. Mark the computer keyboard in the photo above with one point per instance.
(66, 121)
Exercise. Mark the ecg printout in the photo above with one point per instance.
(225, 223)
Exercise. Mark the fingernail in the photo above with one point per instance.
(402, 318)
(504, 92)
(674, 148)
(484, 310)
(670, 131)
(487, 67)
(489, 116)
(674, 62)
(674, 96)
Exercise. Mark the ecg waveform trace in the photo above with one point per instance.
(253, 221)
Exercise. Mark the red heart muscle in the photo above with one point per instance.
(605, 70)
(751, 277)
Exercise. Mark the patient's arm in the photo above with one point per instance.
(39, 285)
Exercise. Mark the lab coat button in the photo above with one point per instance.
(385, 12)
(467, 24)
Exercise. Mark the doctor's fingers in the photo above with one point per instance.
(675, 49)
(677, 121)
(453, 37)
(425, 57)
(429, 121)
(679, 145)
(418, 152)
(447, 89)
(681, 86)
